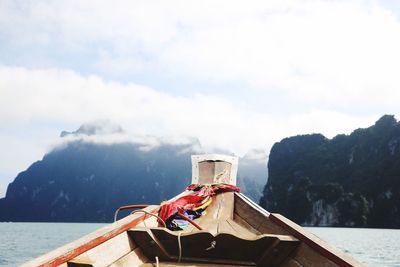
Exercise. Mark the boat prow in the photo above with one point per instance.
(232, 231)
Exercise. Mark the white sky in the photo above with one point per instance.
(235, 74)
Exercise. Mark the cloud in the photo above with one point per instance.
(35, 105)
(237, 75)
(323, 53)
(107, 132)
(69, 98)
(331, 54)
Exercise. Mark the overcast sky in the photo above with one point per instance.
(235, 74)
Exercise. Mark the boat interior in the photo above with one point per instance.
(232, 235)
(233, 231)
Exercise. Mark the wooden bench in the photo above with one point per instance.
(224, 248)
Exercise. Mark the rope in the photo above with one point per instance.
(151, 214)
(128, 207)
(179, 246)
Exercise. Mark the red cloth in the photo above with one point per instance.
(198, 196)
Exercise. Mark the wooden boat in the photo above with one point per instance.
(235, 231)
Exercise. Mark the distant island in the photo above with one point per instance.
(88, 176)
(349, 180)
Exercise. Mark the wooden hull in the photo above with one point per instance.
(242, 232)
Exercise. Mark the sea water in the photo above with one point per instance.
(20, 242)
(372, 247)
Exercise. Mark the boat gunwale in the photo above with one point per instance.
(311, 240)
(90, 241)
(68, 252)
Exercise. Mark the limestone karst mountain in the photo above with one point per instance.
(349, 180)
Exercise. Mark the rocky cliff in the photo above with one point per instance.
(350, 180)
(87, 182)
(91, 174)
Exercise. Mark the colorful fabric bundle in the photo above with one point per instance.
(192, 204)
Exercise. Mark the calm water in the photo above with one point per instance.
(373, 247)
(20, 242)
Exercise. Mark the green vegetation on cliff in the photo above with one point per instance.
(350, 180)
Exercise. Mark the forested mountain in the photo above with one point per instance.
(349, 180)
(84, 180)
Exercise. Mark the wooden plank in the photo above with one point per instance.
(245, 225)
(73, 249)
(207, 220)
(222, 248)
(134, 258)
(73, 264)
(225, 202)
(306, 256)
(291, 263)
(148, 244)
(191, 264)
(225, 227)
(217, 213)
(318, 245)
(206, 169)
(265, 222)
(255, 216)
(239, 230)
(83, 262)
(107, 252)
(278, 253)
(148, 222)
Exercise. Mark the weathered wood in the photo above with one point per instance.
(231, 248)
(222, 211)
(107, 252)
(291, 263)
(306, 256)
(256, 217)
(78, 264)
(245, 225)
(134, 258)
(81, 262)
(318, 245)
(238, 230)
(148, 221)
(191, 264)
(278, 253)
(225, 202)
(238, 240)
(248, 212)
(73, 249)
(219, 211)
(218, 218)
(214, 168)
(226, 227)
(204, 247)
(149, 245)
(213, 172)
